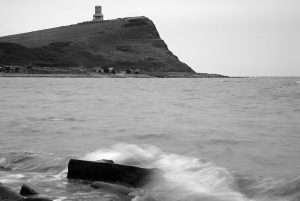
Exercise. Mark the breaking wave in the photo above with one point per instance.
(191, 179)
(183, 178)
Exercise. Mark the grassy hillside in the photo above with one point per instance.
(123, 43)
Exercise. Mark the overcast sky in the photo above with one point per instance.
(231, 37)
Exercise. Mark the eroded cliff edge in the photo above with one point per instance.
(122, 43)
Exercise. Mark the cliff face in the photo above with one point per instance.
(122, 43)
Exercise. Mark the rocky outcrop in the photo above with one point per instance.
(122, 43)
(27, 191)
(109, 172)
(124, 193)
(7, 194)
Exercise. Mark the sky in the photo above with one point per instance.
(229, 37)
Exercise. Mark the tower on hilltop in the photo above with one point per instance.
(98, 16)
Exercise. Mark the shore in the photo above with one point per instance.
(75, 75)
(97, 75)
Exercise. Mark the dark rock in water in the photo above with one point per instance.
(36, 199)
(27, 191)
(106, 161)
(113, 173)
(119, 192)
(123, 193)
(6, 194)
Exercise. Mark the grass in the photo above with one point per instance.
(122, 43)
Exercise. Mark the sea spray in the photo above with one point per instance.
(269, 189)
(184, 178)
(191, 179)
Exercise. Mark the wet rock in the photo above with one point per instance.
(6, 194)
(124, 193)
(112, 187)
(118, 192)
(36, 199)
(112, 173)
(106, 161)
(27, 191)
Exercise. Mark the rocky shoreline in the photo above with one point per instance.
(124, 181)
(26, 194)
(74, 75)
(94, 75)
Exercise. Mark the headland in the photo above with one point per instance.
(124, 47)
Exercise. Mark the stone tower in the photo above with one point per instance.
(98, 16)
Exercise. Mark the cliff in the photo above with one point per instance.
(122, 43)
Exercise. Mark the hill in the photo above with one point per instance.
(122, 43)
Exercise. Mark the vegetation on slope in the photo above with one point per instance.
(121, 43)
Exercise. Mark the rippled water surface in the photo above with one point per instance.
(219, 139)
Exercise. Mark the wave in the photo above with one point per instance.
(183, 178)
(31, 162)
(268, 189)
(193, 179)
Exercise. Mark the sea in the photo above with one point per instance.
(222, 139)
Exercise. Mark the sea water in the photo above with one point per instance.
(214, 139)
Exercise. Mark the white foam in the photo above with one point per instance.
(11, 178)
(5, 181)
(57, 119)
(61, 199)
(16, 176)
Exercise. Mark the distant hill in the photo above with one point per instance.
(122, 43)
